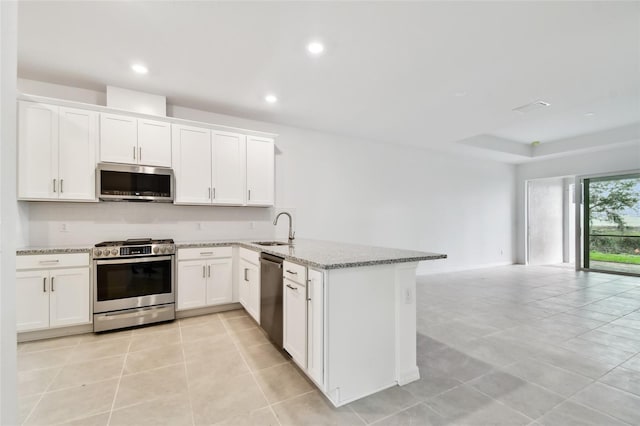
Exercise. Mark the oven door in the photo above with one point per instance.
(132, 283)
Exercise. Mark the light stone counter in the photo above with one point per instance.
(27, 251)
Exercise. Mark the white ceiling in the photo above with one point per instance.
(390, 71)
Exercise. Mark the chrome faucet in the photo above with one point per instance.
(291, 231)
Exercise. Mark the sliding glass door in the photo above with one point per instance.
(611, 224)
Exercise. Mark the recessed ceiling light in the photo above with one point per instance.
(590, 114)
(460, 94)
(315, 48)
(139, 68)
(272, 99)
(532, 106)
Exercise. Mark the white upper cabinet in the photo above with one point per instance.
(77, 154)
(228, 168)
(192, 164)
(260, 171)
(56, 152)
(131, 140)
(154, 143)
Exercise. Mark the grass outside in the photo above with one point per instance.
(615, 258)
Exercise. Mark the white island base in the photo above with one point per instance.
(369, 330)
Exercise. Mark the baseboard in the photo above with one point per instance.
(408, 376)
(208, 310)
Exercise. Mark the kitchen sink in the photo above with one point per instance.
(271, 243)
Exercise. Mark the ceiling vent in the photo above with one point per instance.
(531, 107)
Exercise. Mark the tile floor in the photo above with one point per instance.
(512, 345)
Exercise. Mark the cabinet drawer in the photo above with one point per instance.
(295, 272)
(48, 261)
(250, 256)
(204, 253)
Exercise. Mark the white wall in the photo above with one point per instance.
(338, 188)
(618, 159)
(8, 212)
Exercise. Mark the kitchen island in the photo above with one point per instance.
(355, 332)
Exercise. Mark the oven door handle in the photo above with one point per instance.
(136, 313)
(132, 260)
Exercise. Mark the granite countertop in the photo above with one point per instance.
(314, 253)
(27, 251)
(333, 255)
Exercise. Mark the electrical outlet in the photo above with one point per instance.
(199, 226)
(252, 225)
(63, 227)
(407, 296)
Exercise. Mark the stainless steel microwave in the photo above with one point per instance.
(124, 182)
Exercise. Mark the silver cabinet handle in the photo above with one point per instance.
(140, 154)
(308, 290)
(214, 192)
(44, 285)
(209, 192)
(249, 195)
(54, 185)
(206, 253)
(134, 152)
(292, 272)
(44, 262)
(245, 274)
(61, 187)
(292, 288)
(203, 271)
(52, 287)
(209, 271)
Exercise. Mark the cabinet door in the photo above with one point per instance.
(32, 300)
(118, 139)
(250, 288)
(77, 154)
(295, 321)
(260, 171)
(192, 164)
(37, 151)
(315, 326)
(228, 168)
(154, 143)
(219, 281)
(192, 285)
(69, 297)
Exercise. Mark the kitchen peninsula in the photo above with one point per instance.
(349, 310)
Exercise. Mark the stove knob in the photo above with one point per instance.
(97, 252)
(170, 249)
(156, 249)
(163, 250)
(114, 252)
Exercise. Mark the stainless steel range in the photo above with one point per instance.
(133, 283)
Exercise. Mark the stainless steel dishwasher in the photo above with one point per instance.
(271, 296)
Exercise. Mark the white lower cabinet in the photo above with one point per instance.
(48, 297)
(295, 321)
(249, 282)
(204, 277)
(315, 326)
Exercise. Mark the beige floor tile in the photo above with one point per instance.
(149, 359)
(172, 411)
(150, 385)
(35, 381)
(42, 345)
(218, 365)
(282, 382)
(81, 373)
(313, 409)
(202, 331)
(201, 350)
(199, 320)
(101, 419)
(240, 323)
(100, 349)
(155, 328)
(261, 417)
(216, 401)
(153, 340)
(236, 313)
(383, 404)
(43, 359)
(74, 403)
(26, 405)
(250, 337)
(107, 335)
(263, 356)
